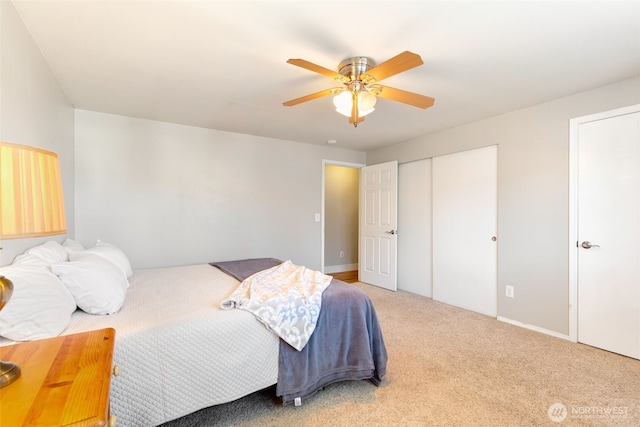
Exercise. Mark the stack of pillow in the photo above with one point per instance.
(51, 280)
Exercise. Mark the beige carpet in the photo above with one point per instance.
(451, 367)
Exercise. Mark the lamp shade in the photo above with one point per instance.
(31, 200)
(342, 102)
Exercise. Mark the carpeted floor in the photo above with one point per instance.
(452, 367)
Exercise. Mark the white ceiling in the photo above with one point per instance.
(222, 64)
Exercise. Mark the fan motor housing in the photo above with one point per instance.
(354, 67)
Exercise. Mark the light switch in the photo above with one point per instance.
(317, 217)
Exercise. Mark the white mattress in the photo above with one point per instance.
(178, 352)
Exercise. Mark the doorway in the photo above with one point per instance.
(340, 206)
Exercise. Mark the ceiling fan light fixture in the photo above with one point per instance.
(361, 76)
(366, 102)
(343, 103)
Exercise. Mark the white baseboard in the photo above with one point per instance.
(328, 269)
(535, 328)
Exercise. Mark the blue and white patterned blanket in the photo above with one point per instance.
(286, 298)
(346, 345)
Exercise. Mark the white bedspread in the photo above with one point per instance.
(178, 352)
(287, 298)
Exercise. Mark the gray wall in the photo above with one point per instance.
(34, 111)
(533, 195)
(341, 218)
(170, 194)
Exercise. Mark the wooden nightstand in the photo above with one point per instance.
(65, 380)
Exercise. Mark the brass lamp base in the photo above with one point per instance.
(9, 372)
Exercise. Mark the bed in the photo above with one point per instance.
(179, 352)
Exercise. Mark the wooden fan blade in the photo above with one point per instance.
(318, 69)
(403, 96)
(399, 63)
(312, 96)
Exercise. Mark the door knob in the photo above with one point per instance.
(392, 232)
(587, 245)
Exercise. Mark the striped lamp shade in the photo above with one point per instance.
(31, 201)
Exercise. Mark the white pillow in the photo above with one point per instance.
(72, 246)
(97, 285)
(40, 307)
(113, 254)
(48, 253)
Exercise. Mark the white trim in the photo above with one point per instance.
(340, 268)
(345, 164)
(574, 125)
(534, 328)
(573, 228)
(322, 217)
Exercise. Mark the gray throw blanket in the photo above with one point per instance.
(346, 345)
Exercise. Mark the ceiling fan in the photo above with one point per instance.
(360, 76)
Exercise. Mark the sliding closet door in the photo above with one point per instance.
(464, 229)
(414, 227)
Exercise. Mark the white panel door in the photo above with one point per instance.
(414, 219)
(464, 227)
(609, 234)
(378, 225)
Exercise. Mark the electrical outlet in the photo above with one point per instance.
(509, 291)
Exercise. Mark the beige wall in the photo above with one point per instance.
(533, 195)
(34, 111)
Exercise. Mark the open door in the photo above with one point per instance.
(377, 263)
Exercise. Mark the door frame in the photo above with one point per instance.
(574, 125)
(325, 163)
